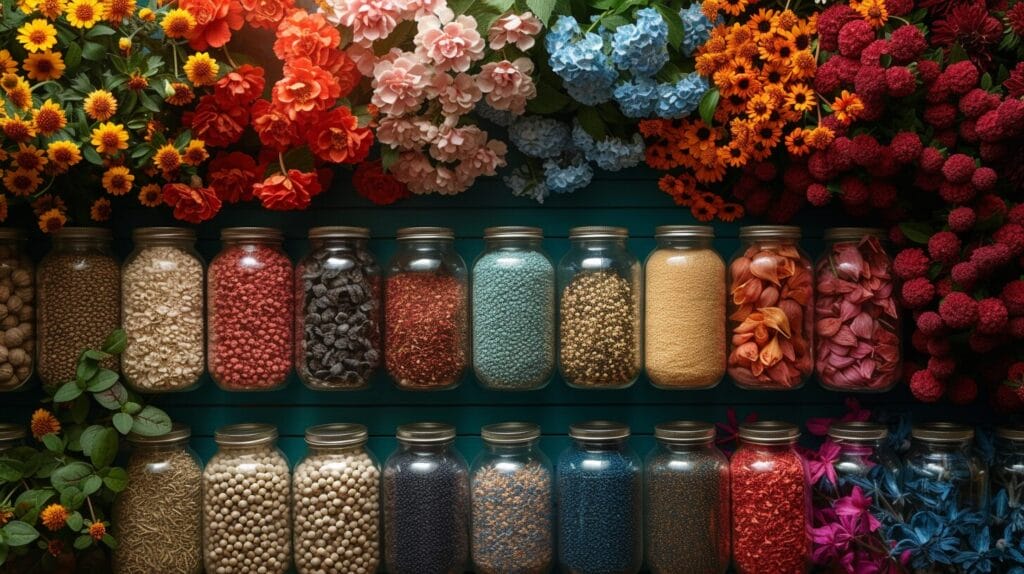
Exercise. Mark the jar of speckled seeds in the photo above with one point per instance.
(513, 311)
(512, 489)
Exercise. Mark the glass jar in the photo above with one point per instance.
(1008, 467)
(338, 311)
(250, 299)
(862, 446)
(686, 505)
(771, 500)
(79, 302)
(600, 285)
(857, 324)
(11, 436)
(771, 310)
(247, 503)
(600, 501)
(158, 516)
(684, 309)
(512, 497)
(941, 453)
(17, 311)
(337, 503)
(162, 307)
(426, 344)
(513, 311)
(426, 503)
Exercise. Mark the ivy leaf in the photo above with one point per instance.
(80, 409)
(89, 438)
(53, 443)
(708, 105)
(131, 408)
(542, 9)
(110, 541)
(151, 421)
(123, 423)
(101, 381)
(104, 448)
(116, 479)
(67, 392)
(918, 232)
(93, 353)
(3, 548)
(116, 342)
(113, 398)
(18, 533)
(34, 498)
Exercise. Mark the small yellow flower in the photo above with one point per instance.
(43, 66)
(195, 153)
(84, 13)
(27, 6)
(52, 9)
(100, 210)
(109, 138)
(22, 182)
(18, 91)
(97, 530)
(52, 221)
(201, 69)
(873, 12)
(49, 118)
(180, 94)
(125, 45)
(37, 35)
(178, 23)
(150, 195)
(63, 154)
(821, 137)
(100, 105)
(54, 517)
(117, 10)
(118, 180)
(29, 157)
(137, 82)
(147, 15)
(44, 423)
(847, 107)
(17, 130)
(167, 158)
(8, 65)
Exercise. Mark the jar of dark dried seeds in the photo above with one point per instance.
(338, 311)
(17, 311)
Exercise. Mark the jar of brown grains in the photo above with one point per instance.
(17, 311)
(600, 290)
(79, 301)
(163, 308)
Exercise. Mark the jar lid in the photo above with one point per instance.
(684, 231)
(769, 432)
(11, 233)
(179, 433)
(770, 232)
(599, 430)
(245, 434)
(685, 432)
(410, 233)
(1014, 433)
(251, 234)
(183, 233)
(84, 233)
(337, 434)
(510, 433)
(858, 430)
(513, 232)
(942, 432)
(598, 232)
(835, 233)
(339, 232)
(425, 433)
(11, 432)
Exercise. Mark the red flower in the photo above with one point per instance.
(905, 147)
(976, 102)
(1015, 17)
(854, 36)
(304, 88)
(930, 323)
(374, 184)
(959, 310)
(284, 192)
(970, 26)
(925, 387)
(818, 195)
(961, 219)
(1015, 83)
(239, 87)
(337, 138)
(1013, 297)
(215, 19)
(917, 292)
(960, 77)
(266, 14)
(906, 44)
(944, 247)
(218, 126)
(992, 316)
(1012, 236)
(232, 175)
(275, 129)
(305, 35)
(942, 367)
(831, 22)
(911, 263)
(191, 204)
(965, 274)
(984, 178)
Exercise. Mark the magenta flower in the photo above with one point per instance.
(819, 426)
(857, 504)
(729, 430)
(820, 463)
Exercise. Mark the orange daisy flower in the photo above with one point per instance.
(873, 12)
(52, 221)
(150, 195)
(702, 211)
(847, 107)
(43, 423)
(100, 210)
(730, 212)
(54, 517)
(821, 137)
(760, 107)
(764, 23)
(796, 142)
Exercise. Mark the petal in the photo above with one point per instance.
(863, 326)
(775, 318)
(771, 353)
(828, 327)
(765, 266)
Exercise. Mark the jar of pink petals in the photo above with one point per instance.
(856, 320)
(771, 306)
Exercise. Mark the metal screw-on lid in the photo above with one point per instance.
(425, 433)
(245, 434)
(684, 231)
(11, 432)
(853, 233)
(84, 233)
(339, 232)
(179, 433)
(1014, 433)
(510, 433)
(598, 232)
(513, 232)
(942, 432)
(251, 234)
(769, 432)
(153, 233)
(337, 434)
(685, 432)
(599, 430)
(410, 233)
(11, 234)
(770, 232)
(858, 430)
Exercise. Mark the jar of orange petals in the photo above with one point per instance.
(771, 308)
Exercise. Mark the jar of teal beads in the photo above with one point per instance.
(513, 297)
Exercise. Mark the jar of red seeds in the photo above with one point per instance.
(250, 311)
(426, 311)
(771, 501)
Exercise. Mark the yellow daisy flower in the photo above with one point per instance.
(84, 13)
(147, 15)
(37, 35)
(109, 138)
(49, 118)
(125, 45)
(63, 154)
(100, 210)
(22, 182)
(118, 180)
(18, 91)
(29, 157)
(43, 66)
(8, 65)
(52, 9)
(51, 221)
(195, 153)
(201, 69)
(150, 195)
(117, 10)
(100, 105)
(178, 23)
(17, 129)
(167, 158)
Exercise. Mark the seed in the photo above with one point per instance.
(512, 516)
(16, 353)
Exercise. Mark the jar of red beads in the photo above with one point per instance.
(771, 501)
(426, 343)
(250, 311)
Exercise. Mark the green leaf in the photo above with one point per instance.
(19, 533)
(152, 421)
(73, 57)
(53, 443)
(87, 367)
(102, 381)
(91, 485)
(708, 105)
(299, 158)
(11, 470)
(402, 32)
(34, 498)
(113, 398)
(542, 9)
(91, 156)
(93, 353)
(676, 31)
(123, 423)
(613, 21)
(90, 436)
(957, 53)
(3, 549)
(99, 30)
(116, 479)
(116, 342)
(149, 103)
(549, 100)
(67, 392)
(80, 409)
(388, 156)
(70, 475)
(917, 231)
(82, 542)
(105, 448)
(590, 121)
(72, 498)
(986, 82)
(485, 12)
(110, 541)
(131, 408)
(75, 521)
(94, 51)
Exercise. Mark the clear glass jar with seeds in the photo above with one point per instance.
(862, 446)
(79, 301)
(600, 501)
(426, 503)
(686, 501)
(684, 309)
(512, 486)
(513, 311)
(163, 307)
(1008, 467)
(158, 517)
(338, 311)
(940, 453)
(426, 308)
(599, 283)
(247, 503)
(17, 311)
(336, 503)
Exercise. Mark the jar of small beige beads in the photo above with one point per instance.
(247, 503)
(337, 503)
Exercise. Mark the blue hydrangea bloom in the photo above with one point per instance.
(567, 178)
(501, 118)
(637, 98)
(581, 62)
(641, 48)
(561, 33)
(522, 185)
(609, 154)
(696, 26)
(538, 136)
(681, 98)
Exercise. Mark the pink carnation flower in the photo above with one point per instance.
(415, 171)
(399, 85)
(454, 143)
(484, 160)
(369, 20)
(450, 44)
(457, 95)
(518, 29)
(508, 85)
(362, 54)
(447, 181)
(406, 133)
(416, 9)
